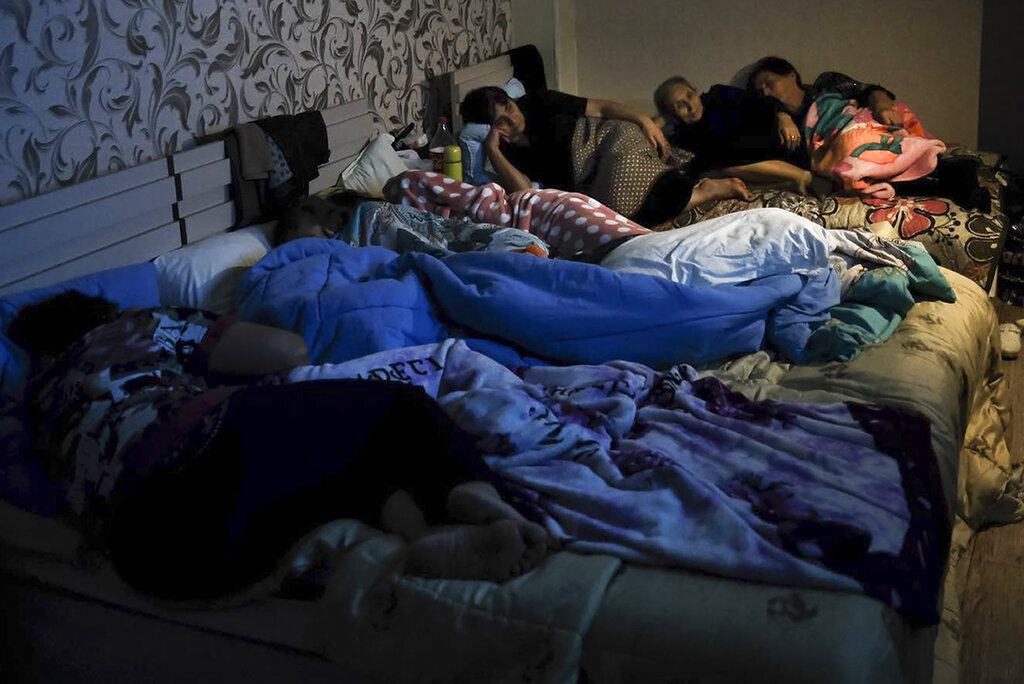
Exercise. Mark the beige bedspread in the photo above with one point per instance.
(942, 361)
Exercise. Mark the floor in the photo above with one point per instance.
(993, 619)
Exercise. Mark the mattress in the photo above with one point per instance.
(618, 622)
(48, 553)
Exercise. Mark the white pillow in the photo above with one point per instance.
(375, 166)
(204, 275)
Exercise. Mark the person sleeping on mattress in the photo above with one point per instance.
(360, 221)
(573, 225)
(197, 480)
(532, 140)
(734, 133)
(824, 118)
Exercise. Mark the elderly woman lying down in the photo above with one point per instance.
(197, 482)
(859, 135)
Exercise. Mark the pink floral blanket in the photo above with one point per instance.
(847, 144)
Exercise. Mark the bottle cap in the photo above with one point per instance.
(453, 153)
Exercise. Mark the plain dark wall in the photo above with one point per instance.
(1001, 102)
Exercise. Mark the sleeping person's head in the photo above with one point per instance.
(317, 216)
(492, 105)
(678, 101)
(775, 77)
(50, 326)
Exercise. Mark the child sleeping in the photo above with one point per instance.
(197, 481)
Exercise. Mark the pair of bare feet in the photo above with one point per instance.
(494, 542)
(731, 182)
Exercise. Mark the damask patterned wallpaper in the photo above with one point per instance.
(88, 87)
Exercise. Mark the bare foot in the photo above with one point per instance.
(479, 503)
(495, 552)
(708, 189)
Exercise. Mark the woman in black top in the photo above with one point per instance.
(531, 139)
(733, 133)
(776, 78)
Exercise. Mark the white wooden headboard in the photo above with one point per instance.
(140, 213)
(492, 72)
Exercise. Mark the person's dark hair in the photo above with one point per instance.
(332, 213)
(49, 327)
(661, 95)
(478, 105)
(775, 65)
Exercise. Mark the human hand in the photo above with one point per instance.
(501, 131)
(656, 137)
(788, 133)
(709, 189)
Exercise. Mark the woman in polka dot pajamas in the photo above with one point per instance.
(571, 223)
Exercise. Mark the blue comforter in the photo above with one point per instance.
(519, 309)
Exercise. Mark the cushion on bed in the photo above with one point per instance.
(376, 165)
(471, 139)
(205, 275)
(126, 286)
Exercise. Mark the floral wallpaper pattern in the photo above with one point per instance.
(88, 87)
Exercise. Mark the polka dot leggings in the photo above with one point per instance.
(569, 222)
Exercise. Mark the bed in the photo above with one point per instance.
(579, 617)
(967, 241)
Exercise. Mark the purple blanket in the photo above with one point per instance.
(671, 469)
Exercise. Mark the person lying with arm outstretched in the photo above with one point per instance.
(531, 140)
(198, 481)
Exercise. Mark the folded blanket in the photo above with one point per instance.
(846, 143)
(671, 469)
(351, 301)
